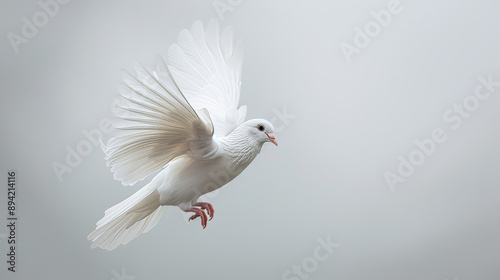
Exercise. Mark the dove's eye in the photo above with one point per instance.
(261, 127)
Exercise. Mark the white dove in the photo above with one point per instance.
(184, 120)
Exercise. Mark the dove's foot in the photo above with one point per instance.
(199, 213)
(208, 207)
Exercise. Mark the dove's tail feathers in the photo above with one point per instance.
(128, 219)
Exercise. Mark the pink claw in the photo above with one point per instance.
(206, 206)
(199, 213)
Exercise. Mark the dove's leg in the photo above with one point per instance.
(199, 213)
(206, 206)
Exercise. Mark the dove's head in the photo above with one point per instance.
(260, 130)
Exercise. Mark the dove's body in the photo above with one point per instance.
(180, 180)
(184, 121)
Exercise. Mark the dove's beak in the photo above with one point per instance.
(272, 139)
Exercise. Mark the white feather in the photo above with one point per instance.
(156, 125)
(128, 219)
(208, 69)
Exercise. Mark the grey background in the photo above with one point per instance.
(351, 122)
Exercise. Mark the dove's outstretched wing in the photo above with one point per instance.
(164, 111)
(155, 124)
(207, 67)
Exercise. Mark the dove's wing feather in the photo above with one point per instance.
(156, 124)
(207, 68)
